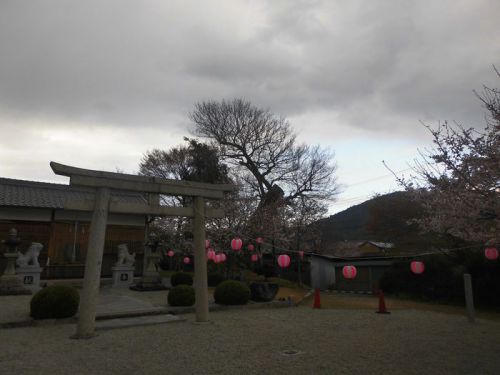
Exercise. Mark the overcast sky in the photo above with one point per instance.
(96, 84)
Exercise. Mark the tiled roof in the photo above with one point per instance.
(353, 249)
(382, 245)
(23, 193)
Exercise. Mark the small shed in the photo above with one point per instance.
(326, 272)
(370, 258)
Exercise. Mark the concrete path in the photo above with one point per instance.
(113, 303)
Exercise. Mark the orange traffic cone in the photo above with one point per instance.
(381, 303)
(317, 300)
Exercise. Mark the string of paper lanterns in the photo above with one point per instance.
(348, 271)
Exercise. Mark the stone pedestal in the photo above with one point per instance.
(263, 292)
(151, 280)
(123, 276)
(30, 277)
(10, 284)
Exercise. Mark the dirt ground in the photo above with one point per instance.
(371, 302)
(296, 340)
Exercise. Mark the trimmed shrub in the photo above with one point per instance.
(56, 301)
(181, 278)
(215, 279)
(232, 292)
(181, 295)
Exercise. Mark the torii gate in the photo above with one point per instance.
(103, 182)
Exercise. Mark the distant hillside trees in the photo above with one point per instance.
(457, 181)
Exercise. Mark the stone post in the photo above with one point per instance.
(469, 300)
(200, 261)
(93, 263)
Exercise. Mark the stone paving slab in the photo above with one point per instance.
(137, 321)
(112, 303)
(14, 310)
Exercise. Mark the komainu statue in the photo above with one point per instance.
(124, 257)
(30, 258)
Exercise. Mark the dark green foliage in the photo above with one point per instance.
(268, 270)
(194, 162)
(181, 278)
(215, 279)
(56, 301)
(181, 295)
(442, 279)
(232, 292)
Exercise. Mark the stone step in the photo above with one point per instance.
(132, 313)
(137, 321)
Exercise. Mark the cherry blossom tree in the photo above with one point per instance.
(457, 181)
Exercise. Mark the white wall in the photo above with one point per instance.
(322, 273)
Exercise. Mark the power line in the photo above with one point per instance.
(377, 178)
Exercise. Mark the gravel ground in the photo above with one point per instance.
(252, 341)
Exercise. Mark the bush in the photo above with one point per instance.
(215, 279)
(232, 292)
(181, 295)
(181, 278)
(56, 301)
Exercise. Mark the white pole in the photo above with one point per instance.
(200, 261)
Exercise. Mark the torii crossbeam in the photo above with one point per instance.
(102, 204)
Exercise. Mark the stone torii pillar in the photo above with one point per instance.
(104, 183)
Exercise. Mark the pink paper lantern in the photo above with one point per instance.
(186, 260)
(254, 258)
(217, 259)
(210, 254)
(301, 254)
(170, 253)
(251, 247)
(207, 244)
(491, 253)
(236, 244)
(417, 267)
(283, 260)
(222, 257)
(259, 240)
(349, 272)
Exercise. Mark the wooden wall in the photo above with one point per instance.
(66, 244)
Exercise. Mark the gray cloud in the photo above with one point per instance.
(379, 65)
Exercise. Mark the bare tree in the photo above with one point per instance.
(263, 148)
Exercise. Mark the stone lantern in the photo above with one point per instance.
(10, 284)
